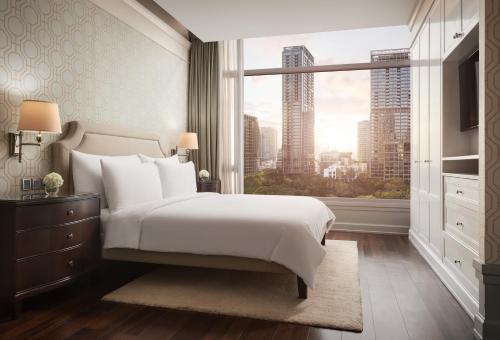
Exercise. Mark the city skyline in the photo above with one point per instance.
(342, 99)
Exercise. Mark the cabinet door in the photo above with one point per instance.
(424, 131)
(415, 69)
(452, 22)
(470, 14)
(435, 180)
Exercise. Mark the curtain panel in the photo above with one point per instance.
(231, 116)
(203, 104)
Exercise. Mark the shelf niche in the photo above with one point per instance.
(460, 148)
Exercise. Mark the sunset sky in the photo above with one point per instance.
(341, 98)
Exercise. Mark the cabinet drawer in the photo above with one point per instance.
(462, 191)
(57, 213)
(41, 240)
(461, 258)
(49, 268)
(464, 223)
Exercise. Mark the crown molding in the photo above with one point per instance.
(142, 20)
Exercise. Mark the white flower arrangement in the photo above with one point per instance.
(53, 180)
(204, 175)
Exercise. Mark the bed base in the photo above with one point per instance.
(204, 261)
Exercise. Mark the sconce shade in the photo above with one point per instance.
(188, 140)
(39, 116)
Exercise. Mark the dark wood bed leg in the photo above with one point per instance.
(301, 285)
(323, 241)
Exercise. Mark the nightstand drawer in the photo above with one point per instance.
(42, 240)
(50, 268)
(54, 214)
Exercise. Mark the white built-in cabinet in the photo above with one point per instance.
(426, 131)
(444, 191)
(460, 16)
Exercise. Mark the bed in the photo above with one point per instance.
(275, 234)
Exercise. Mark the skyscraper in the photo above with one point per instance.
(298, 113)
(251, 144)
(390, 117)
(363, 140)
(268, 143)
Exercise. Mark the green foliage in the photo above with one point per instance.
(272, 182)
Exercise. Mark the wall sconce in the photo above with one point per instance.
(35, 116)
(188, 141)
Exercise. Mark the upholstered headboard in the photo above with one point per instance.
(103, 140)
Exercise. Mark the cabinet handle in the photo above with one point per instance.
(459, 192)
(69, 236)
(458, 262)
(460, 224)
(70, 212)
(458, 35)
(427, 161)
(71, 263)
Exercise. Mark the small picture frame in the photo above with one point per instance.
(36, 184)
(26, 184)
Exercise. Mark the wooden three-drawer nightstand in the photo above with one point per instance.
(46, 243)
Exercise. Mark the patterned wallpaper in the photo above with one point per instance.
(95, 66)
(491, 167)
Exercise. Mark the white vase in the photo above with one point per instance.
(52, 192)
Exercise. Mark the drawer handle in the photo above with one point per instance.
(458, 35)
(70, 212)
(459, 192)
(458, 262)
(460, 224)
(69, 236)
(71, 263)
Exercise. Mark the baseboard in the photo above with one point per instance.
(371, 228)
(464, 298)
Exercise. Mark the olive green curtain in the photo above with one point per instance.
(203, 103)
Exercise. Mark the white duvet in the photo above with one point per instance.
(282, 229)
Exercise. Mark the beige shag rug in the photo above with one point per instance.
(335, 302)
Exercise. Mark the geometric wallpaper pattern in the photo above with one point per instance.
(96, 67)
(492, 133)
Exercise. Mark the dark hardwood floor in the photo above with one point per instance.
(402, 299)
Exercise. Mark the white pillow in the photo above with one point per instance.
(147, 159)
(176, 179)
(130, 185)
(87, 175)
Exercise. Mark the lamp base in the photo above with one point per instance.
(16, 144)
(13, 144)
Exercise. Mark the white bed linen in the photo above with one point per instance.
(283, 229)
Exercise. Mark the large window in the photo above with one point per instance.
(343, 134)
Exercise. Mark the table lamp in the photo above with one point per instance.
(188, 141)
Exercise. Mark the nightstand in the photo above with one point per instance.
(46, 243)
(208, 186)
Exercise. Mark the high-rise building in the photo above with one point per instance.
(363, 141)
(268, 144)
(390, 117)
(298, 113)
(251, 144)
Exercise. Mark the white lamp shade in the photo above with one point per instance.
(188, 140)
(39, 116)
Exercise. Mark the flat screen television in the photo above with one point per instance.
(469, 92)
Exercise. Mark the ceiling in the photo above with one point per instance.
(215, 20)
